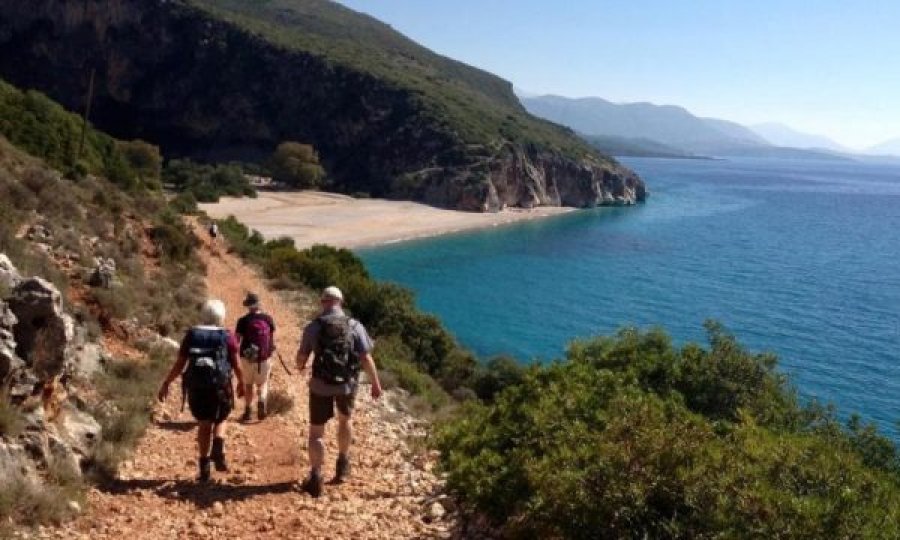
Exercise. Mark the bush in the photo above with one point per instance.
(205, 183)
(43, 128)
(279, 402)
(623, 440)
(127, 389)
(26, 502)
(297, 165)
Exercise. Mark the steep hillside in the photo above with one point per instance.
(666, 124)
(233, 78)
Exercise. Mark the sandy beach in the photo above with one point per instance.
(311, 217)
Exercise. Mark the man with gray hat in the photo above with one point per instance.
(256, 332)
(341, 347)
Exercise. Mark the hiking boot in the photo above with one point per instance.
(313, 484)
(204, 475)
(261, 410)
(341, 469)
(218, 454)
(246, 416)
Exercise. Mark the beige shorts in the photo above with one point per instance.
(256, 372)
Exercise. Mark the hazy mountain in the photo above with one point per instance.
(667, 124)
(634, 147)
(890, 147)
(782, 135)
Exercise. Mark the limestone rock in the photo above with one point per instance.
(9, 361)
(9, 275)
(79, 430)
(88, 358)
(436, 511)
(104, 272)
(44, 330)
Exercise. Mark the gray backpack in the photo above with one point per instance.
(335, 362)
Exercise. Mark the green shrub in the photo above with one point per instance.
(205, 183)
(297, 165)
(44, 129)
(631, 437)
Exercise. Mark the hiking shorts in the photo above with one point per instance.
(256, 372)
(321, 408)
(210, 406)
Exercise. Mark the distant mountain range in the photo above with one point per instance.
(643, 129)
(782, 135)
(888, 148)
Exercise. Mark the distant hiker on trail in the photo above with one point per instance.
(208, 355)
(256, 332)
(340, 346)
(213, 231)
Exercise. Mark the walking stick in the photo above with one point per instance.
(281, 359)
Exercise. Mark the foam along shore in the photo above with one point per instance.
(313, 217)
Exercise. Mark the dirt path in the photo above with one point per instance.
(389, 496)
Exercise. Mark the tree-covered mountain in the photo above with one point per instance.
(231, 79)
(667, 124)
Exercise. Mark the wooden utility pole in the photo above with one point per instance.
(87, 113)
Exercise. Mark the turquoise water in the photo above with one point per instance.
(799, 258)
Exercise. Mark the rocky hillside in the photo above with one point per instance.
(232, 79)
(92, 276)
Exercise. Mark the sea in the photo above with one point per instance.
(799, 258)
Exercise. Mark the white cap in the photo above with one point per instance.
(333, 292)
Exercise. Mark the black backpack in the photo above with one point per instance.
(335, 362)
(208, 367)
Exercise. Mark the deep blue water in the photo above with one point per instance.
(799, 258)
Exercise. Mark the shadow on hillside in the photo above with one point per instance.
(201, 495)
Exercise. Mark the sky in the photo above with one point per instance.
(828, 67)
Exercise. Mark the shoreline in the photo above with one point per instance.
(314, 217)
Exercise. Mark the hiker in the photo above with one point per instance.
(206, 360)
(213, 231)
(256, 334)
(340, 346)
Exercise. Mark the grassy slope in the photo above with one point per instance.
(478, 106)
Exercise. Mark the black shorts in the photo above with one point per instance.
(210, 406)
(321, 408)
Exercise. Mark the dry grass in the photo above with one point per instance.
(279, 402)
(11, 422)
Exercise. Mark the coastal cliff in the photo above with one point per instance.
(213, 84)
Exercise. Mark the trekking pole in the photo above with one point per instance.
(281, 359)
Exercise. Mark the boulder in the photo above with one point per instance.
(9, 275)
(87, 359)
(14, 462)
(43, 331)
(104, 272)
(9, 361)
(79, 430)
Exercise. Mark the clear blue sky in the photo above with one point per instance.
(823, 66)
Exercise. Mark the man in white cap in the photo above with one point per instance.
(341, 346)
